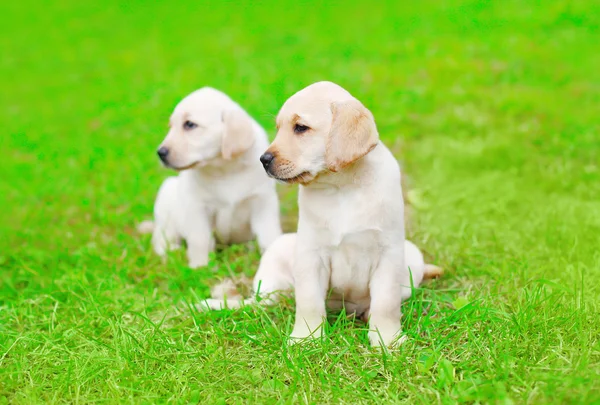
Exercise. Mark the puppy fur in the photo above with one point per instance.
(349, 250)
(221, 190)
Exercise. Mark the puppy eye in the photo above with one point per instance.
(300, 129)
(189, 125)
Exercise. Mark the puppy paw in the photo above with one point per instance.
(387, 340)
(294, 340)
(302, 334)
(197, 263)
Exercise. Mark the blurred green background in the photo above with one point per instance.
(491, 108)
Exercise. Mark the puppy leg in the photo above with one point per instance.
(385, 313)
(165, 235)
(164, 240)
(199, 248)
(264, 219)
(310, 285)
(200, 241)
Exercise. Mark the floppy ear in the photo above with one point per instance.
(353, 134)
(238, 136)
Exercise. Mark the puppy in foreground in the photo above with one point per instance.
(350, 248)
(221, 190)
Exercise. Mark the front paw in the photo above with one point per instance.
(199, 253)
(197, 263)
(387, 339)
(197, 259)
(302, 334)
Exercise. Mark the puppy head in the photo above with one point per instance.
(320, 128)
(206, 127)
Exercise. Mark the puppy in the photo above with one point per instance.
(350, 245)
(221, 189)
(351, 226)
(275, 275)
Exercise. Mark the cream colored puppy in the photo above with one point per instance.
(221, 189)
(350, 246)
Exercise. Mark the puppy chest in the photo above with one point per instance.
(226, 216)
(351, 265)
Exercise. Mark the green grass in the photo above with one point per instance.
(491, 107)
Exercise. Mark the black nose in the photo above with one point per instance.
(163, 153)
(266, 159)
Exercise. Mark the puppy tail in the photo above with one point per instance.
(145, 227)
(432, 271)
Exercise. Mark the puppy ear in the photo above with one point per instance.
(238, 136)
(353, 134)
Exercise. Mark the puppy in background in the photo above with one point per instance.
(221, 193)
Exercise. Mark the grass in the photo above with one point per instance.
(491, 107)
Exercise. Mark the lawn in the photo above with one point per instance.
(492, 108)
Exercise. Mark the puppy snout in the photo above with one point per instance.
(266, 159)
(163, 152)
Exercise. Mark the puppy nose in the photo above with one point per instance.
(163, 153)
(266, 159)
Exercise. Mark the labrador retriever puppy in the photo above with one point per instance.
(350, 248)
(221, 189)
